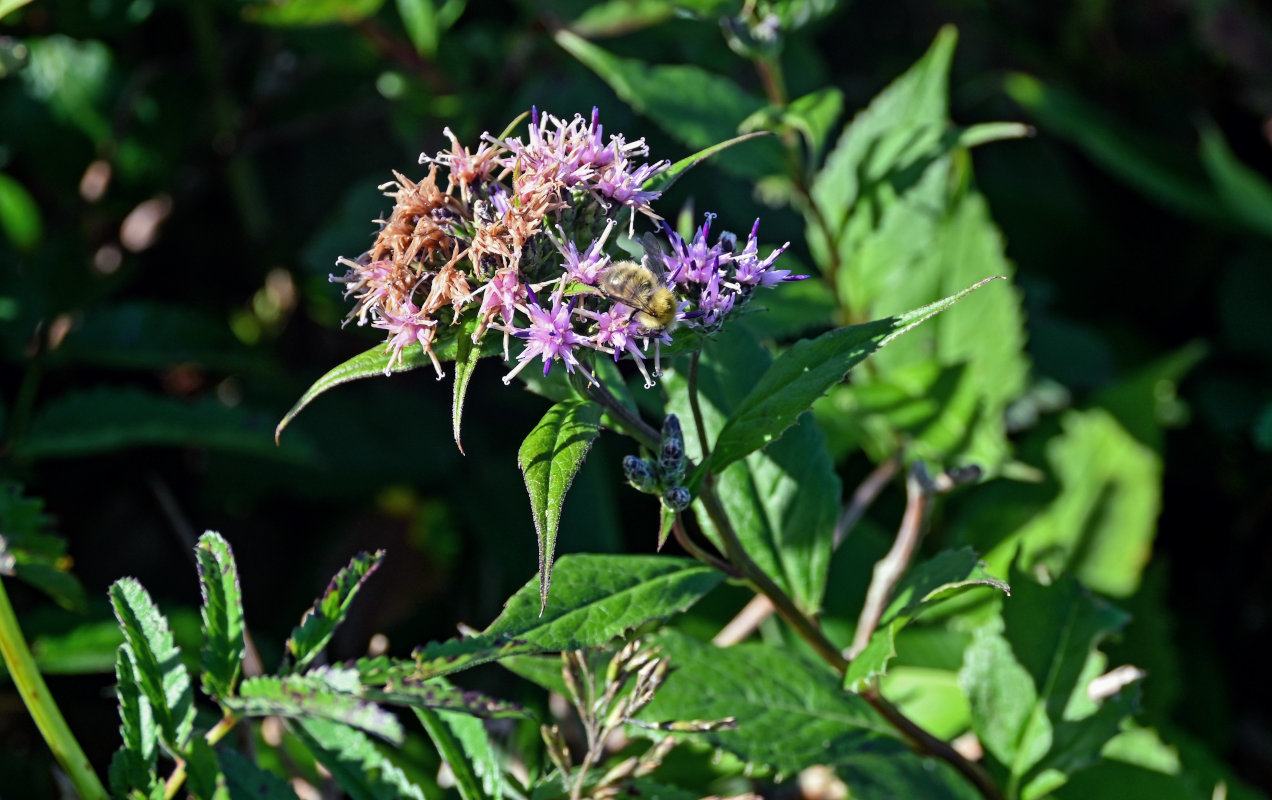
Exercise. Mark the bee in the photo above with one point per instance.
(643, 288)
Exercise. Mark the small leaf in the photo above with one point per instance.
(947, 574)
(205, 780)
(328, 694)
(549, 458)
(466, 356)
(598, 597)
(804, 373)
(358, 765)
(133, 766)
(314, 631)
(247, 781)
(305, 13)
(222, 612)
(159, 673)
(19, 215)
(464, 744)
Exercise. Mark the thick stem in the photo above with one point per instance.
(39, 702)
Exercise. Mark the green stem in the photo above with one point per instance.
(704, 448)
(35, 694)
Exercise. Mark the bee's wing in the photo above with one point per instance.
(655, 257)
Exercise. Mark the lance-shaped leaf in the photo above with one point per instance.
(791, 713)
(159, 673)
(362, 769)
(664, 180)
(375, 362)
(133, 765)
(248, 780)
(598, 597)
(948, 574)
(463, 741)
(315, 628)
(437, 694)
(549, 458)
(222, 612)
(331, 694)
(1028, 685)
(807, 371)
(467, 354)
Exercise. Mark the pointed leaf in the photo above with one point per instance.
(807, 371)
(363, 770)
(329, 694)
(247, 781)
(664, 180)
(598, 597)
(549, 458)
(439, 695)
(467, 355)
(222, 612)
(159, 673)
(1246, 193)
(949, 573)
(315, 628)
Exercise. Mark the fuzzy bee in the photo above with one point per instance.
(643, 288)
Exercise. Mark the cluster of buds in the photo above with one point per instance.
(604, 709)
(666, 474)
(520, 240)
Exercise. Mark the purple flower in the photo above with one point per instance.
(751, 270)
(713, 304)
(695, 262)
(583, 267)
(622, 184)
(550, 335)
(407, 326)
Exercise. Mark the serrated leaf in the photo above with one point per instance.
(467, 355)
(133, 766)
(362, 769)
(203, 771)
(322, 695)
(696, 107)
(549, 459)
(947, 574)
(790, 712)
(222, 613)
(464, 744)
(31, 554)
(804, 373)
(159, 672)
(106, 419)
(314, 631)
(1027, 684)
(375, 363)
(439, 695)
(598, 597)
(247, 781)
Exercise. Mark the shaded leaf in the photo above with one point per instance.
(222, 613)
(598, 597)
(462, 742)
(363, 770)
(466, 356)
(314, 631)
(30, 553)
(549, 459)
(203, 772)
(20, 220)
(304, 13)
(247, 781)
(158, 670)
(323, 694)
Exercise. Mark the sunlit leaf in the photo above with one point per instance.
(314, 631)
(222, 612)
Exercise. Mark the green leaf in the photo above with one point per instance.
(1028, 684)
(358, 765)
(1246, 193)
(466, 356)
(438, 695)
(1148, 165)
(247, 781)
(222, 613)
(103, 420)
(696, 107)
(159, 672)
(30, 553)
(549, 458)
(462, 742)
(19, 215)
(89, 647)
(949, 573)
(790, 712)
(598, 597)
(419, 17)
(314, 631)
(305, 13)
(813, 116)
(664, 180)
(323, 693)
(804, 373)
(205, 780)
(133, 766)
(376, 363)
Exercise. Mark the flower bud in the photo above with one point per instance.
(671, 456)
(677, 498)
(639, 474)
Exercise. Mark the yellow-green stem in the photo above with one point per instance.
(39, 702)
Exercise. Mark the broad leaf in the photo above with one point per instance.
(222, 613)
(790, 712)
(948, 574)
(598, 597)
(1028, 685)
(324, 694)
(549, 458)
(362, 769)
(314, 631)
(159, 673)
(804, 373)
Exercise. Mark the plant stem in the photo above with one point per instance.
(704, 447)
(39, 702)
(637, 428)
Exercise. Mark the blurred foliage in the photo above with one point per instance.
(176, 180)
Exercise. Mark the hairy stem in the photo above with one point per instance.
(35, 694)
